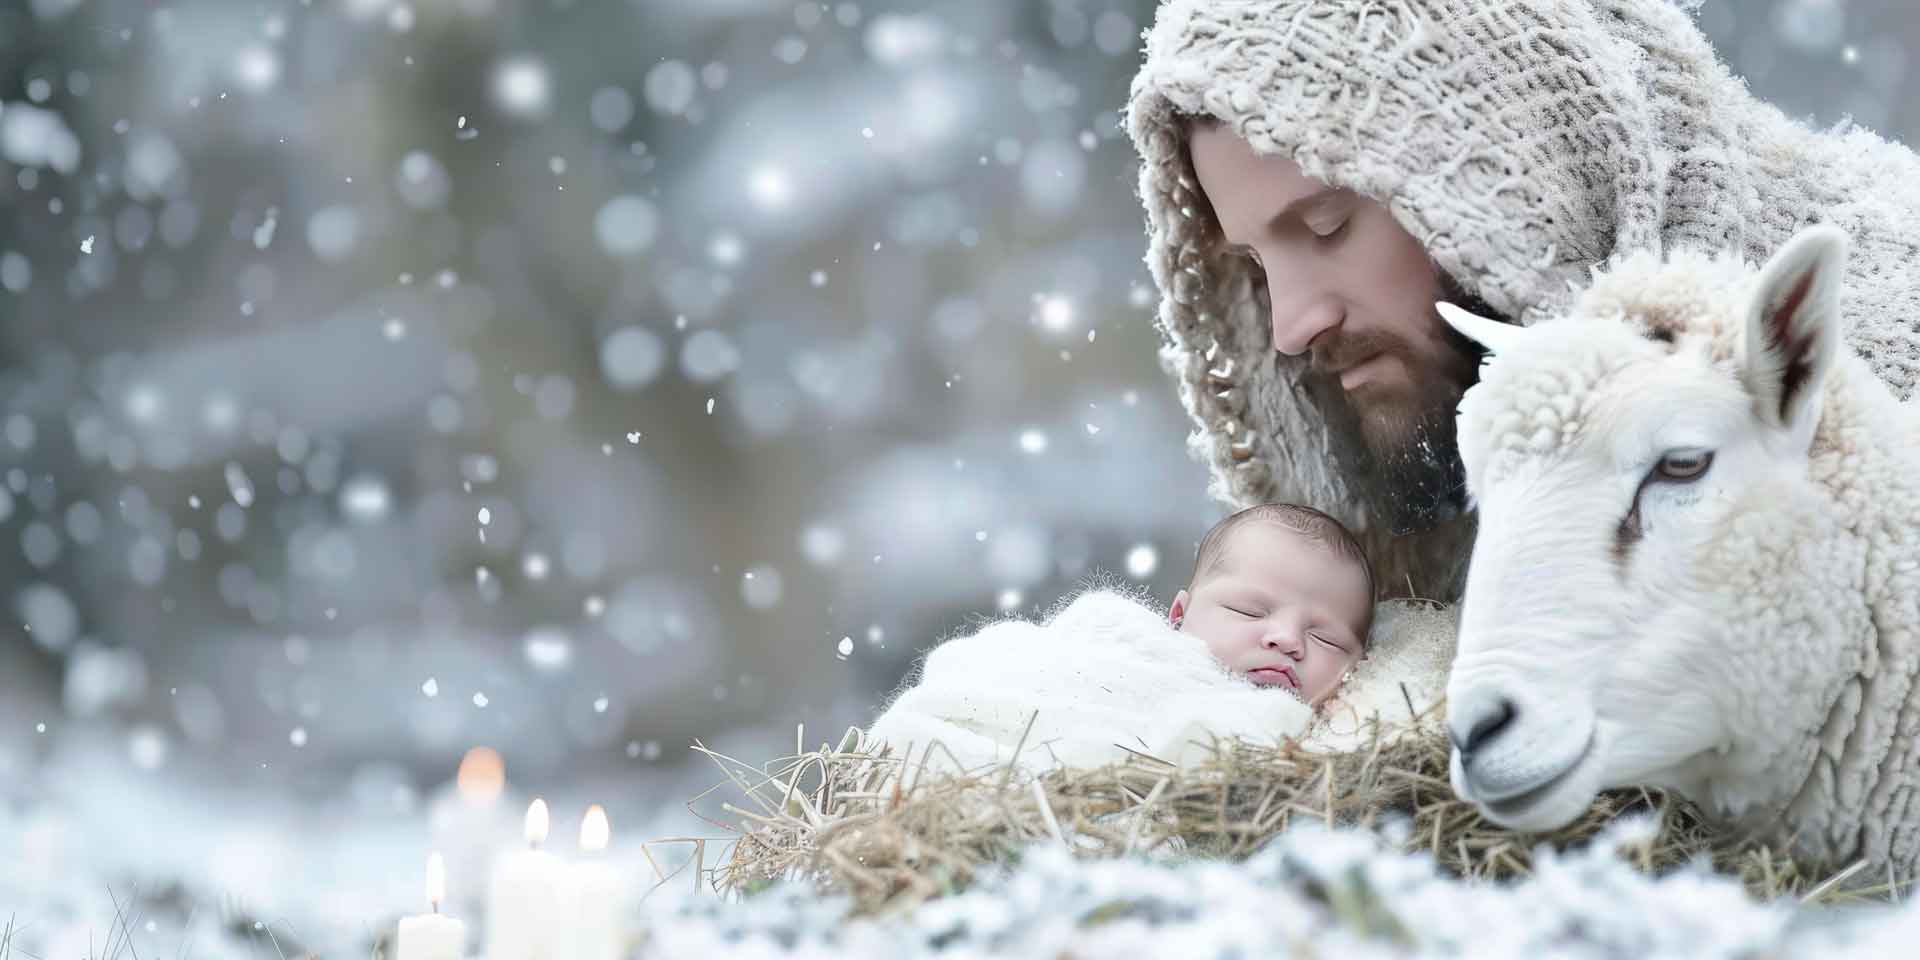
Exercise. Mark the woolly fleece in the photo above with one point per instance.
(1807, 604)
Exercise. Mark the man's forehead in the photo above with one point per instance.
(1246, 187)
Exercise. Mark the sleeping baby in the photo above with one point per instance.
(1281, 595)
(1277, 610)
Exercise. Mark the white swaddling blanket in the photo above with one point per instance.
(1106, 675)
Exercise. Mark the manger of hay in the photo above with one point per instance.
(889, 837)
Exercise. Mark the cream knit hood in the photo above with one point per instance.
(1522, 143)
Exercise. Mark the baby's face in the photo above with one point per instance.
(1281, 610)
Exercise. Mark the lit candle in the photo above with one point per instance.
(523, 897)
(597, 900)
(469, 825)
(432, 936)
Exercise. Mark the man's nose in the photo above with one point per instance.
(1297, 323)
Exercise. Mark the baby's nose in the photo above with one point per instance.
(1283, 641)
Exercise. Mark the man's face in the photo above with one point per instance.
(1348, 287)
(1281, 610)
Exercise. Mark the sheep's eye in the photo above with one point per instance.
(1683, 466)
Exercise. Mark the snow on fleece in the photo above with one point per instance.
(1312, 892)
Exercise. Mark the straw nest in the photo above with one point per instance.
(890, 837)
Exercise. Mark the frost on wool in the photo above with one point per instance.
(1698, 561)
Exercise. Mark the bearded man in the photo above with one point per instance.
(1317, 173)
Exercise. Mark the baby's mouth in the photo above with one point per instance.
(1274, 677)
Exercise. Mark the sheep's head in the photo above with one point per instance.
(1612, 454)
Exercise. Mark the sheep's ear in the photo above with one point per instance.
(1492, 334)
(1793, 327)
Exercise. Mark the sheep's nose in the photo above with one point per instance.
(1478, 720)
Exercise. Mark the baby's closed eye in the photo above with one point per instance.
(1332, 641)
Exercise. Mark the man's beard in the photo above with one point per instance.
(1406, 462)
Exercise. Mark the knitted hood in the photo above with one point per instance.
(1522, 143)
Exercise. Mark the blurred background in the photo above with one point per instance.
(573, 379)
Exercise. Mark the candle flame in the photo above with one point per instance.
(594, 830)
(436, 879)
(483, 774)
(537, 822)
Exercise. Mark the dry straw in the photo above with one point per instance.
(891, 836)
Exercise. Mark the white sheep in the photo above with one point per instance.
(1698, 560)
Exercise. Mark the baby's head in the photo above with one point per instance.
(1282, 595)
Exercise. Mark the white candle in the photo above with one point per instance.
(596, 899)
(469, 825)
(523, 898)
(432, 936)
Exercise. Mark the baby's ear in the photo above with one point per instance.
(1178, 611)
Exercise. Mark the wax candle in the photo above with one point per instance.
(432, 936)
(523, 897)
(470, 824)
(596, 899)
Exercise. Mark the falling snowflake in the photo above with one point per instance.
(1142, 561)
(238, 485)
(761, 587)
(522, 87)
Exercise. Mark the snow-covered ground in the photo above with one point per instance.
(103, 861)
(98, 856)
(1313, 892)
